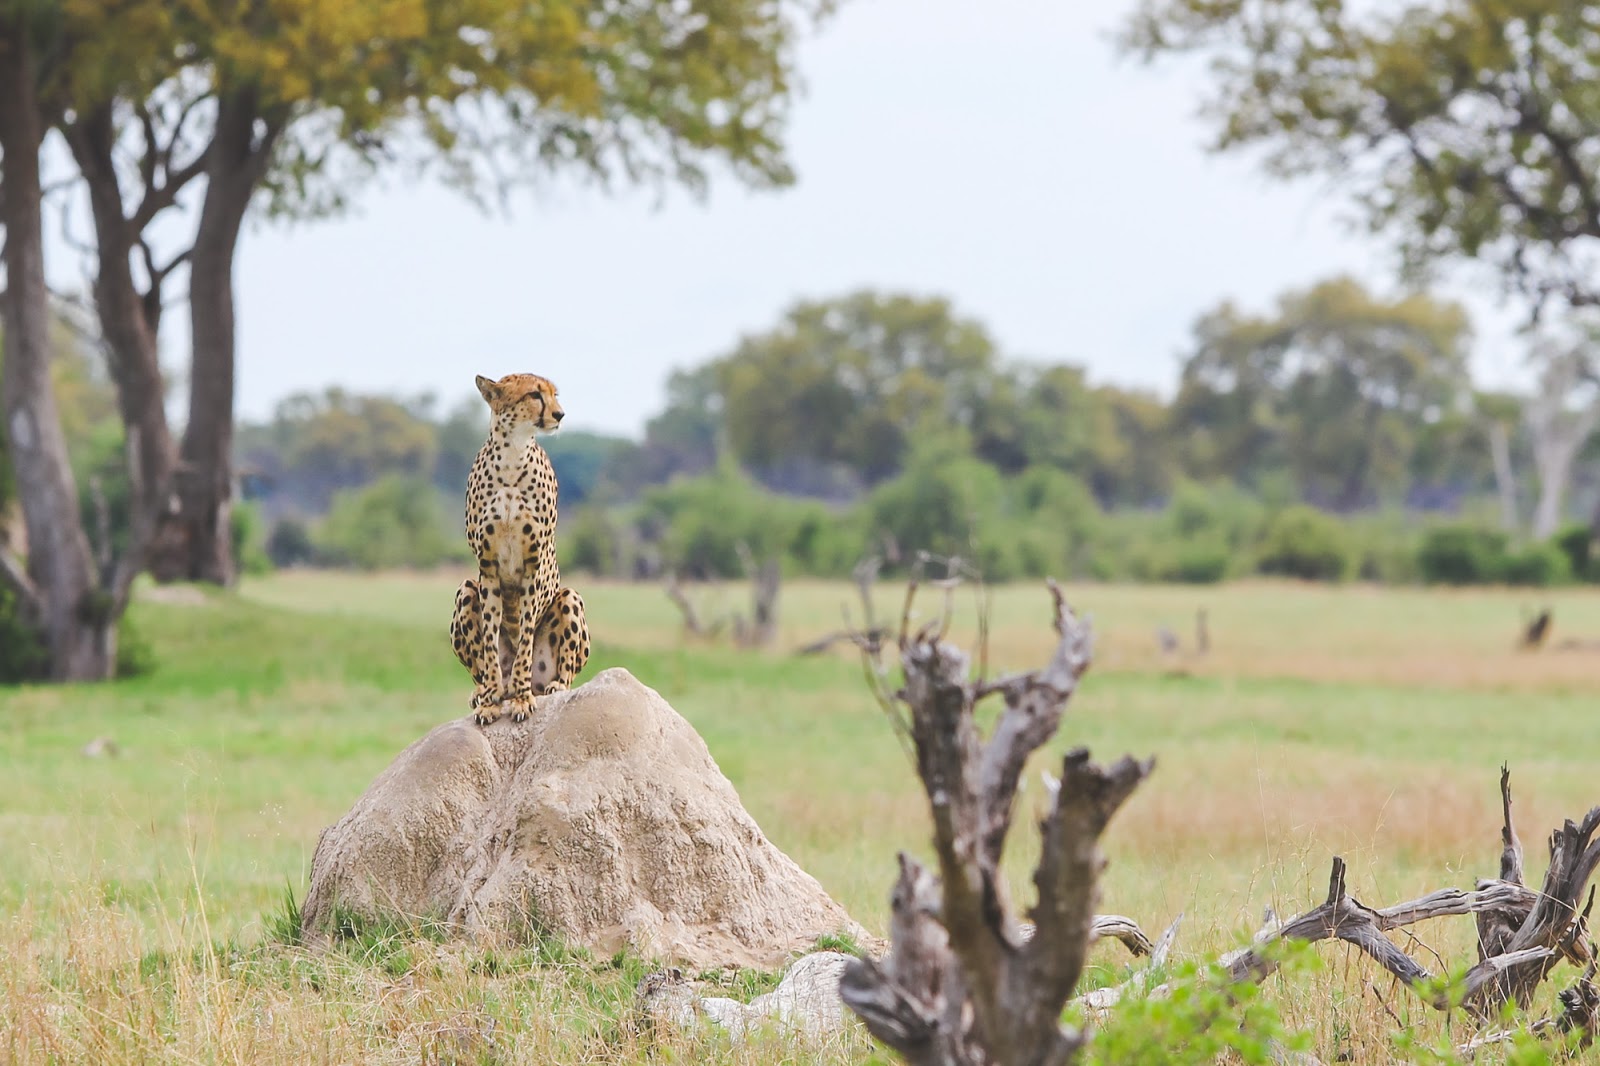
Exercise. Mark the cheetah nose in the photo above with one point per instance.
(559, 415)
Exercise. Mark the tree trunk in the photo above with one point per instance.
(1559, 434)
(128, 321)
(1555, 452)
(62, 584)
(199, 545)
(1505, 478)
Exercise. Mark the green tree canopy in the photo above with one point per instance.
(849, 382)
(1465, 129)
(1335, 387)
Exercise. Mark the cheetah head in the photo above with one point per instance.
(528, 398)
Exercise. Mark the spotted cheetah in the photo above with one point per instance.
(515, 612)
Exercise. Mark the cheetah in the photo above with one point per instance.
(515, 628)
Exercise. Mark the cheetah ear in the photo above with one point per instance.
(487, 387)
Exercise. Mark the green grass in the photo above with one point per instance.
(1346, 721)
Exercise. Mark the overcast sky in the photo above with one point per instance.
(997, 152)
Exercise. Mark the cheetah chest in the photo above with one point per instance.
(516, 519)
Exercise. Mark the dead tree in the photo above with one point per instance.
(864, 575)
(759, 628)
(765, 580)
(693, 623)
(962, 983)
(1522, 934)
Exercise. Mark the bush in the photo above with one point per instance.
(1304, 542)
(136, 656)
(1063, 521)
(290, 544)
(1224, 512)
(397, 521)
(941, 503)
(700, 523)
(24, 657)
(1386, 547)
(1537, 564)
(249, 539)
(22, 653)
(1576, 542)
(590, 541)
(825, 542)
(1201, 562)
(1462, 555)
(1203, 1019)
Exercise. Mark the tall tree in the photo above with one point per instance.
(1334, 386)
(1132, 460)
(298, 102)
(59, 586)
(847, 383)
(1562, 415)
(1463, 129)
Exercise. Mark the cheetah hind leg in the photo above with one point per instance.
(561, 644)
(468, 638)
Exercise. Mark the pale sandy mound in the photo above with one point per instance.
(602, 820)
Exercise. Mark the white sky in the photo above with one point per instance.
(995, 152)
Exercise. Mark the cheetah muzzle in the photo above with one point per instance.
(516, 629)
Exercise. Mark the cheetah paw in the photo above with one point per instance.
(518, 707)
(485, 705)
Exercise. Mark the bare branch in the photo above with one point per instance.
(964, 982)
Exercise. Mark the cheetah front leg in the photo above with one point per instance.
(560, 643)
(475, 628)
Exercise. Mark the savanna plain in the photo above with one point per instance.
(147, 898)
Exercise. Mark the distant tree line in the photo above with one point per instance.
(1337, 435)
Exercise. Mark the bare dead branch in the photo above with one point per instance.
(1511, 857)
(1573, 856)
(765, 581)
(865, 575)
(692, 623)
(1343, 918)
(1102, 999)
(964, 982)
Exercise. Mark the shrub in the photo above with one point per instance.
(700, 522)
(397, 521)
(1576, 542)
(22, 653)
(249, 539)
(290, 544)
(1202, 561)
(591, 541)
(1386, 547)
(826, 542)
(1063, 521)
(1537, 564)
(1462, 555)
(1224, 512)
(1204, 1019)
(1304, 542)
(24, 658)
(941, 503)
(136, 656)
(1198, 563)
